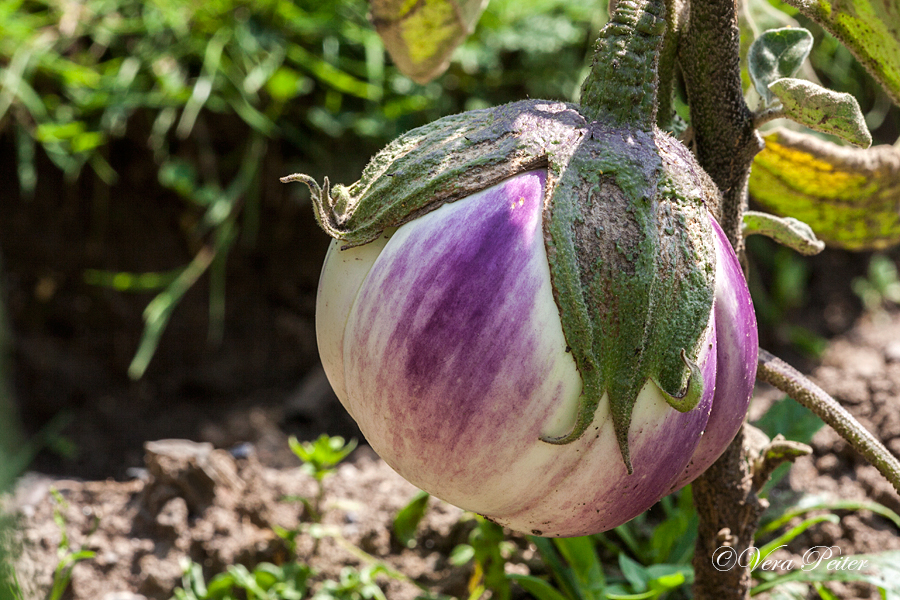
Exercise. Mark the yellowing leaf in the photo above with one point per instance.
(849, 196)
(420, 35)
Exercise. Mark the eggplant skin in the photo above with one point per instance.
(443, 340)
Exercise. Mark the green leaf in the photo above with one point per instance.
(816, 502)
(322, 455)
(160, 309)
(776, 54)
(848, 196)
(407, 520)
(286, 84)
(538, 588)
(790, 591)
(672, 540)
(669, 576)
(822, 109)
(790, 419)
(881, 569)
(870, 29)
(787, 231)
(331, 75)
(786, 537)
(421, 35)
(824, 592)
(634, 572)
(581, 555)
(461, 554)
(563, 574)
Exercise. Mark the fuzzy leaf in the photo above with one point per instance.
(849, 196)
(776, 54)
(822, 109)
(869, 28)
(421, 36)
(787, 231)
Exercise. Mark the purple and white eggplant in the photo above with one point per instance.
(444, 342)
(531, 311)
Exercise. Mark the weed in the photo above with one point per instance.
(881, 287)
(68, 558)
(320, 458)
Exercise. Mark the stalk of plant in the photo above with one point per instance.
(531, 311)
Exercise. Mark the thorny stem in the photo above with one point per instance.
(789, 380)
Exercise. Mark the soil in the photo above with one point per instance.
(118, 469)
(219, 507)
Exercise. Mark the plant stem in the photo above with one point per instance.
(667, 68)
(726, 140)
(729, 512)
(789, 380)
(622, 84)
(725, 144)
(766, 115)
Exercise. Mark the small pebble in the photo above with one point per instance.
(123, 596)
(139, 473)
(243, 450)
(892, 352)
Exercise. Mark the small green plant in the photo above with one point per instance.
(265, 582)
(577, 573)
(295, 580)
(68, 558)
(353, 584)
(820, 565)
(409, 517)
(881, 287)
(489, 549)
(654, 555)
(10, 588)
(319, 460)
(291, 581)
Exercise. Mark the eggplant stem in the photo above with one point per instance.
(622, 84)
(789, 380)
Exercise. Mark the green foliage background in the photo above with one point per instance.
(207, 93)
(9, 441)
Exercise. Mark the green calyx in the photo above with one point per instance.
(635, 301)
(446, 160)
(623, 82)
(626, 216)
(633, 264)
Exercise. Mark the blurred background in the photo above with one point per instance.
(159, 281)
